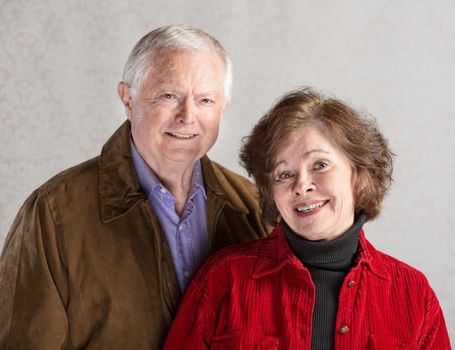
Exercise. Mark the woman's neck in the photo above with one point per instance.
(337, 253)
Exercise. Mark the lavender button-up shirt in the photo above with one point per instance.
(187, 235)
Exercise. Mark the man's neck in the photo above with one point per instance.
(176, 177)
(178, 182)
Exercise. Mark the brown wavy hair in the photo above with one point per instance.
(356, 135)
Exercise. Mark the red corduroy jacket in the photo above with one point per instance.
(258, 295)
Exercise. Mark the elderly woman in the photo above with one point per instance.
(316, 282)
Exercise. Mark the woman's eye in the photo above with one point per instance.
(285, 175)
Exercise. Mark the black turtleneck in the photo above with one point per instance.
(328, 263)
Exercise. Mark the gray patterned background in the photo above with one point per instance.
(60, 62)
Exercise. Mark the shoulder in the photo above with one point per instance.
(232, 176)
(403, 274)
(230, 262)
(71, 179)
(68, 187)
(36, 211)
(77, 175)
(65, 191)
(214, 171)
(237, 190)
(398, 267)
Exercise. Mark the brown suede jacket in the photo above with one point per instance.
(86, 266)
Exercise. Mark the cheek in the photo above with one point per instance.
(210, 130)
(279, 198)
(145, 128)
(213, 125)
(348, 194)
(210, 120)
(137, 114)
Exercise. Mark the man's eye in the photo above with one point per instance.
(168, 96)
(207, 101)
(320, 165)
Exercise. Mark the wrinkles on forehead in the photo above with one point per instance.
(182, 71)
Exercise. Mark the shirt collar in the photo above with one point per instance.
(197, 181)
(147, 179)
(275, 253)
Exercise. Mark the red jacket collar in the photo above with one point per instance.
(275, 253)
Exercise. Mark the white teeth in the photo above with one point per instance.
(307, 208)
(182, 136)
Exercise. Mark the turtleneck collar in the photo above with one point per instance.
(335, 254)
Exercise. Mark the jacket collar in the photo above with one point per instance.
(118, 186)
(217, 182)
(368, 255)
(275, 253)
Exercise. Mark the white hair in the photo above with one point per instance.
(172, 37)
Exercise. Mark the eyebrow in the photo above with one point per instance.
(306, 154)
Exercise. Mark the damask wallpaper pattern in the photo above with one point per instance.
(60, 62)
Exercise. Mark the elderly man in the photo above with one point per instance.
(98, 257)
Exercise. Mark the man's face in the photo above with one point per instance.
(176, 114)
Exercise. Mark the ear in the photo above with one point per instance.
(363, 180)
(226, 106)
(360, 181)
(123, 91)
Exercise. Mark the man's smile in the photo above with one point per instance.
(180, 135)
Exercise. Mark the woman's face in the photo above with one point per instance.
(313, 187)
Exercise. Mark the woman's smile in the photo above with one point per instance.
(307, 208)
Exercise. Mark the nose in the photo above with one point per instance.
(187, 112)
(303, 185)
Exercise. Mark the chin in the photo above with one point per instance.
(312, 232)
(182, 156)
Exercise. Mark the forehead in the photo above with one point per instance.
(307, 141)
(201, 66)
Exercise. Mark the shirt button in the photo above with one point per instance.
(180, 227)
(187, 273)
(344, 329)
(351, 284)
(162, 190)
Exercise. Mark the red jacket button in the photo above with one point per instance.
(344, 329)
(351, 284)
